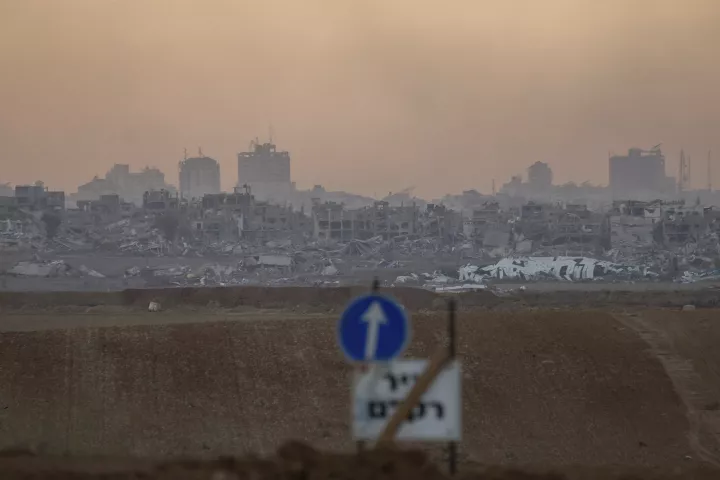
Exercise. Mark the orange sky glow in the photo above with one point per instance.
(369, 96)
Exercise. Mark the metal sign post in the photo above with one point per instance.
(400, 399)
(452, 446)
(373, 289)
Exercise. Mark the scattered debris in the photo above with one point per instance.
(55, 268)
(90, 272)
(242, 241)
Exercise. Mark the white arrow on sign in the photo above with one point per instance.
(374, 317)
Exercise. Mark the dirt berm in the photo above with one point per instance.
(334, 298)
(297, 461)
(542, 387)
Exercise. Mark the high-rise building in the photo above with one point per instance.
(540, 176)
(264, 169)
(640, 172)
(199, 176)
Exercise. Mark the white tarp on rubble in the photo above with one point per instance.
(561, 268)
(705, 276)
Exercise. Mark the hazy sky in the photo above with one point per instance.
(367, 95)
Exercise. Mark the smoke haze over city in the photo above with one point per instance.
(369, 96)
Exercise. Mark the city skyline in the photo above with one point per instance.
(368, 97)
(175, 181)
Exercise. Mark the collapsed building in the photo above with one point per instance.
(119, 180)
(107, 208)
(381, 220)
(577, 224)
(160, 200)
(489, 225)
(38, 197)
(681, 225)
(645, 224)
(239, 215)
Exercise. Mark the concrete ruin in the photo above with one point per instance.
(38, 197)
(119, 180)
(267, 231)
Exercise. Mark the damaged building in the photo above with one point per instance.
(681, 225)
(265, 170)
(577, 224)
(119, 180)
(484, 222)
(160, 200)
(633, 223)
(333, 221)
(38, 197)
(110, 207)
(239, 215)
(536, 225)
(667, 224)
(199, 176)
(440, 222)
(8, 207)
(640, 173)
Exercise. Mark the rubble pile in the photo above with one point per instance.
(240, 241)
(51, 269)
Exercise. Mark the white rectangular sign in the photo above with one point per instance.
(378, 392)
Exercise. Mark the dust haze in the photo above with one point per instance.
(369, 96)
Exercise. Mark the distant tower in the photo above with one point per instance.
(540, 176)
(265, 169)
(683, 173)
(199, 176)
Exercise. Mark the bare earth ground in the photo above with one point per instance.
(543, 384)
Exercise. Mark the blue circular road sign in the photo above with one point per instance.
(373, 328)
